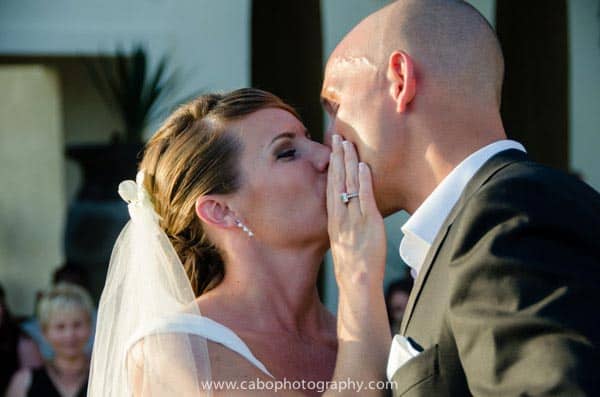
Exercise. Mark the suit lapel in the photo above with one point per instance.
(491, 167)
(424, 272)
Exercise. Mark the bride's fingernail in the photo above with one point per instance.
(336, 139)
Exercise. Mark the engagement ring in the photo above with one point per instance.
(347, 196)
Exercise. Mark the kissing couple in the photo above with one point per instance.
(212, 284)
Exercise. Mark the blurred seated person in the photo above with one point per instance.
(65, 317)
(17, 350)
(396, 299)
(67, 273)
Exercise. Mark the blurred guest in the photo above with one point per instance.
(65, 315)
(16, 349)
(67, 273)
(396, 299)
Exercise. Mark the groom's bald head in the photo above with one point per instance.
(449, 41)
(415, 81)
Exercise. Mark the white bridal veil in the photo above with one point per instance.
(136, 350)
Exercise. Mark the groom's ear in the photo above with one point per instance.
(401, 77)
(214, 211)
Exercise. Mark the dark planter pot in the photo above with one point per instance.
(97, 215)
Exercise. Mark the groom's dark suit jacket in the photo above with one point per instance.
(507, 302)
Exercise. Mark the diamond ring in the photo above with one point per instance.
(347, 196)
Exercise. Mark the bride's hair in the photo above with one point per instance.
(192, 155)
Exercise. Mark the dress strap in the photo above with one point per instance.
(203, 326)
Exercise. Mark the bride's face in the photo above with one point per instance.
(283, 179)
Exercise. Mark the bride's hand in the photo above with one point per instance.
(358, 246)
(356, 228)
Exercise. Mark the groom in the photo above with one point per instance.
(505, 252)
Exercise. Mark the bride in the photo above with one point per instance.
(214, 279)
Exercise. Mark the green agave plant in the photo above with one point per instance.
(128, 86)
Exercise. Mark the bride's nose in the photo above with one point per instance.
(321, 156)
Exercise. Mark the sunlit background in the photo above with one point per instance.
(66, 138)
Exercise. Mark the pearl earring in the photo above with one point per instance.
(244, 228)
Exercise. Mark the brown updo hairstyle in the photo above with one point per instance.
(192, 155)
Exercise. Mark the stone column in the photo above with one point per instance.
(32, 202)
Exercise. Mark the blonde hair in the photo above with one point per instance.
(63, 297)
(192, 155)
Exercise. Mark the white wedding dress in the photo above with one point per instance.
(211, 330)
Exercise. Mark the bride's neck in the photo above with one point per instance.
(275, 288)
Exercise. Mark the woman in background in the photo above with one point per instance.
(67, 273)
(65, 316)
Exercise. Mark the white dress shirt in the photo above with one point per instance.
(422, 227)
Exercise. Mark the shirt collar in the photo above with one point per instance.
(422, 227)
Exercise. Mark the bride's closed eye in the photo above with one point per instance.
(286, 151)
(288, 154)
